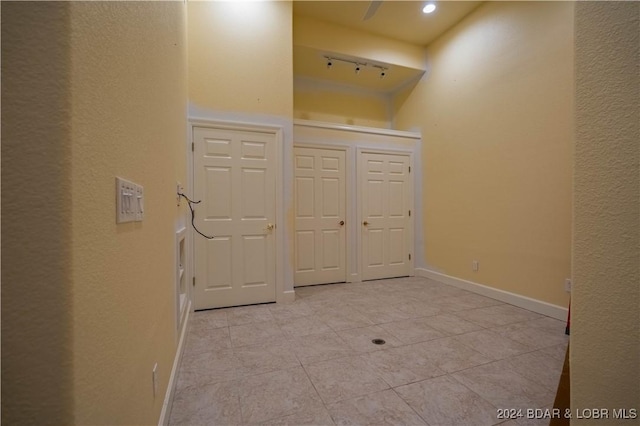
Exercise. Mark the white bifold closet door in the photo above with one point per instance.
(320, 214)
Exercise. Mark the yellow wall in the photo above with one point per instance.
(37, 308)
(330, 37)
(240, 57)
(319, 101)
(129, 119)
(102, 87)
(357, 108)
(495, 111)
(605, 305)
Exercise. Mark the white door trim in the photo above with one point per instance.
(277, 131)
(411, 240)
(314, 134)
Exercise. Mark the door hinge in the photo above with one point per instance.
(193, 146)
(409, 213)
(193, 281)
(409, 256)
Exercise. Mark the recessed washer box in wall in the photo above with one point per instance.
(129, 201)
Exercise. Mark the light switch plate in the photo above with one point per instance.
(124, 201)
(129, 201)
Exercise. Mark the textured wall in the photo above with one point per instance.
(90, 91)
(496, 114)
(335, 102)
(129, 99)
(605, 306)
(233, 69)
(325, 36)
(37, 308)
(342, 106)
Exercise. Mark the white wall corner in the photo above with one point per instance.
(538, 306)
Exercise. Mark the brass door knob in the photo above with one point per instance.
(342, 223)
(365, 223)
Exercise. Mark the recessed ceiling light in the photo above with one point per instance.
(429, 8)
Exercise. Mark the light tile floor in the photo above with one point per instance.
(451, 358)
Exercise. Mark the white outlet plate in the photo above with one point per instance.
(567, 285)
(179, 190)
(475, 265)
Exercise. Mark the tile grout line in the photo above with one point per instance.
(409, 405)
(359, 291)
(324, 404)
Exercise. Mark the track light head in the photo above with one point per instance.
(382, 73)
(357, 68)
(329, 63)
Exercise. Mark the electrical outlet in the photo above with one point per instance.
(567, 285)
(179, 190)
(475, 265)
(154, 378)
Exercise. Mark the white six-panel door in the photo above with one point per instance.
(320, 214)
(385, 222)
(234, 176)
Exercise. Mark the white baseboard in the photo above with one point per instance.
(168, 398)
(544, 308)
(288, 297)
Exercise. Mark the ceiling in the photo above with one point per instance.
(399, 20)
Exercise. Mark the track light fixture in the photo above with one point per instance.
(358, 66)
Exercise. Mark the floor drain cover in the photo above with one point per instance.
(378, 342)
